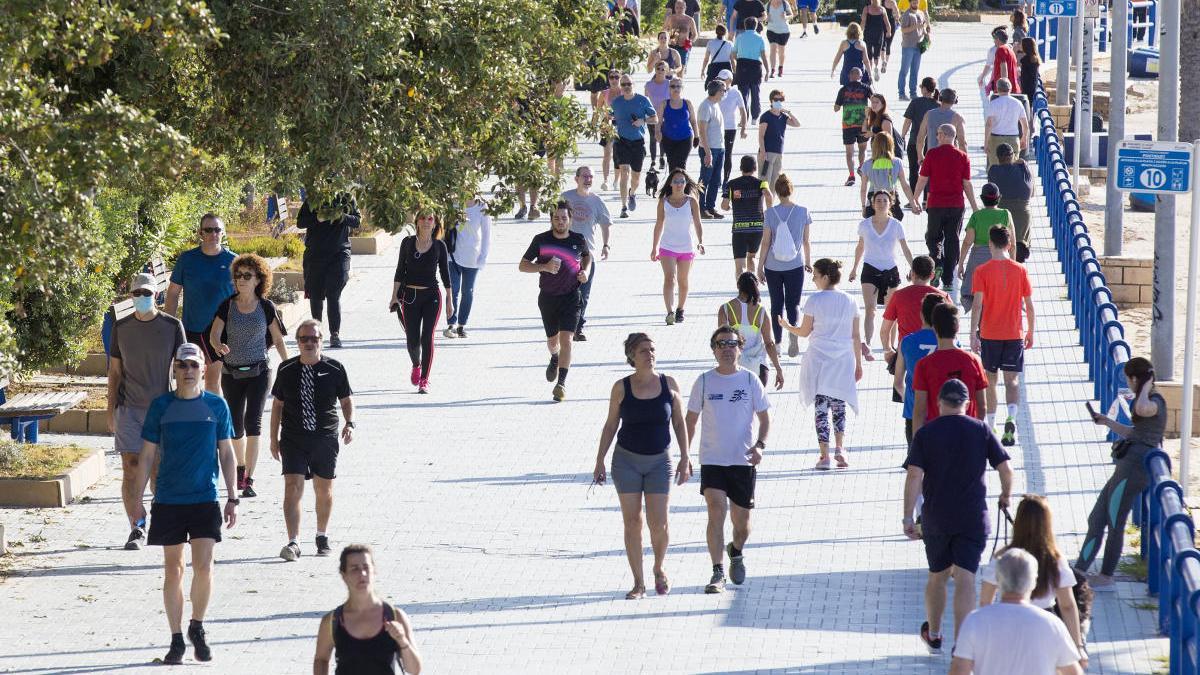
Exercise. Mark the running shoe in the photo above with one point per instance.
(823, 464)
(290, 552)
(560, 392)
(717, 215)
(604, 187)
(449, 332)
(632, 202)
(817, 31)
(624, 213)
(521, 213)
(737, 566)
(793, 345)
(462, 331)
(804, 34)
(579, 336)
(415, 376)
(1009, 438)
(174, 655)
(335, 341)
(850, 180)
(248, 490)
(662, 163)
(670, 318)
(423, 386)
(934, 644)
(840, 458)
(716, 584)
(195, 633)
(323, 548)
(903, 97)
(552, 369)
(534, 213)
(708, 215)
(137, 539)
(679, 315)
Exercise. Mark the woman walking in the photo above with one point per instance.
(718, 56)
(878, 237)
(745, 315)
(674, 245)
(415, 297)
(1033, 532)
(832, 366)
(778, 32)
(893, 17)
(366, 634)
(876, 30)
(472, 242)
(245, 328)
(327, 259)
(663, 53)
(1129, 477)
(882, 174)
(855, 53)
(642, 409)
(678, 126)
(1030, 64)
(782, 258)
(608, 132)
(657, 89)
(879, 121)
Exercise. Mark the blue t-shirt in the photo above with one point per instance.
(206, 281)
(776, 126)
(954, 451)
(749, 45)
(914, 347)
(624, 111)
(186, 431)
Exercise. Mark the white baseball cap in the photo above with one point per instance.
(144, 281)
(189, 352)
(725, 74)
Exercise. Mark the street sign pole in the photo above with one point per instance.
(1189, 347)
(1162, 320)
(1085, 91)
(1114, 201)
(1062, 82)
(1077, 42)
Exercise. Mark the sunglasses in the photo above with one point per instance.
(308, 339)
(245, 276)
(727, 343)
(210, 230)
(187, 365)
(776, 100)
(679, 181)
(143, 293)
(613, 79)
(626, 84)
(677, 86)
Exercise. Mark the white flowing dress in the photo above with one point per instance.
(828, 364)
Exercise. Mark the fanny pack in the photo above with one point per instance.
(244, 372)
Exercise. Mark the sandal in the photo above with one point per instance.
(662, 585)
(841, 461)
(823, 464)
(637, 593)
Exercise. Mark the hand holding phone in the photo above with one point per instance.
(1092, 411)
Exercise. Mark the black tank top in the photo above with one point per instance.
(373, 656)
(645, 422)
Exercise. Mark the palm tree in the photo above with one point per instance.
(1189, 70)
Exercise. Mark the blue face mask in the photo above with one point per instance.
(143, 304)
(776, 105)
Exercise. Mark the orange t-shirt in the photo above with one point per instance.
(1004, 285)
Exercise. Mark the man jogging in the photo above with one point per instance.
(728, 398)
(561, 259)
(631, 113)
(948, 362)
(946, 465)
(202, 275)
(750, 197)
(587, 211)
(139, 371)
(192, 429)
(851, 101)
(947, 172)
(1001, 288)
(308, 391)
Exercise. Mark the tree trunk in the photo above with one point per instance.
(1189, 70)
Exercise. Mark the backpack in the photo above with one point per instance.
(783, 246)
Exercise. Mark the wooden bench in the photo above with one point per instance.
(124, 307)
(278, 214)
(23, 411)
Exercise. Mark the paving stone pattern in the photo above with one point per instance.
(477, 500)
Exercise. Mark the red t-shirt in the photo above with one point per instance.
(932, 372)
(946, 167)
(1005, 55)
(904, 307)
(1004, 284)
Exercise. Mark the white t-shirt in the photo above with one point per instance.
(1006, 113)
(714, 123)
(1008, 638)
(719, 51)
(833, 312)
(879, 250)
(1066, 579)
(730, 102)
(727, 405)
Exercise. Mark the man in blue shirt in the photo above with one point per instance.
(204, 276)
(631, 113)
(752, 64)
(192, 429)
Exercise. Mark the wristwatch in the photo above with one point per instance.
(761, 445)
(235, 502)
(350, 423)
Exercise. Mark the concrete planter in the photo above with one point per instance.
(58, 491)
(293, 279)
(76, 421)
(293, 313)
(370, 244)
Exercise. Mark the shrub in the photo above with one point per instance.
(50, 323)
(287, 246)
(282, 292)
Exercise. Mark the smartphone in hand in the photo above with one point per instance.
(1091, 410)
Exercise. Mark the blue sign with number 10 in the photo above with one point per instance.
(1147, 166)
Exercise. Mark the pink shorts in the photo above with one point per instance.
(664, 253)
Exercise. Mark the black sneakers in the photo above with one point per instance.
(137, 539)
(737, 566)
(679, 315)
(290, 552)
(934, 644)
(174, 655)
(335, 341)
(323, 545)
(195, 635)
(248, 488)
(552, 369)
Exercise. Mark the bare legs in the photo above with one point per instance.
(656, 515)
(201, 591)
(935, 597)
(293, 490)
(560, 345)
(718, 505)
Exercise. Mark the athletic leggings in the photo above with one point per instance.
(1112, 507)
(823, 405)
(785, 289)
(676, 152)
(650, 131)
(246, 398)
(324, 281)
(419, 310)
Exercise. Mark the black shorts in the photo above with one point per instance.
(852, 135)
(173, 524)
(629, 153)
(201, 340)
(559, 312)
(778, 38)
(745, 243)
(309, 455)
(882, 280)
(737, 482)
(1007, 355)
(963, 550)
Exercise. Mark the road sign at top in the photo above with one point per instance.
(1149, 166)
(1059, 8)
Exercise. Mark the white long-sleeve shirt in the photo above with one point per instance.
(474, 238)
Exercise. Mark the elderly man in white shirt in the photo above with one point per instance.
(1007, 121)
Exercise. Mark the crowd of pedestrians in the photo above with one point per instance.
(209, 425)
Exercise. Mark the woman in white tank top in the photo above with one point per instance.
(746, 315)
(674, 246)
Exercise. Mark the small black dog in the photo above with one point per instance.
(651, 182)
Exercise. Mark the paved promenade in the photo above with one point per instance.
(477, 501)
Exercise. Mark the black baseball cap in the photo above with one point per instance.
(990, 191)
(954, 391)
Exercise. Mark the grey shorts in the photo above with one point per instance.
(128, 423)
(634, 473)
